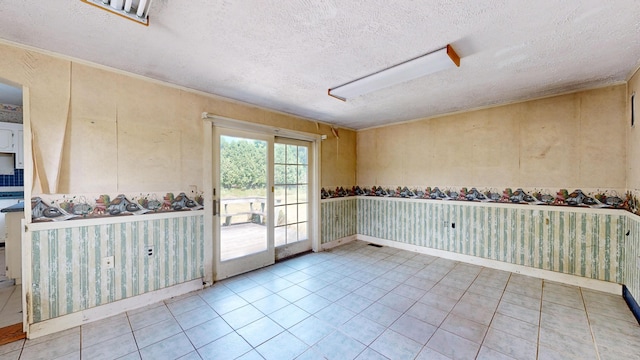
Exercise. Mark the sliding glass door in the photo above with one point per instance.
(262, 199)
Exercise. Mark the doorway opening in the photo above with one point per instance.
(11, 211)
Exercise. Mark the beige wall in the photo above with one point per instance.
(339, 160)
(568, 141)
(633, 138)
(100, 131)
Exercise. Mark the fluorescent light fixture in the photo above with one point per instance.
(136, 10)
(430, 63)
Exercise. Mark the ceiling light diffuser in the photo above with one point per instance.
(136, 10)
(430, 63)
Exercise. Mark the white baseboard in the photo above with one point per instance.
(104, 311)
(338, 242)
(575, 280)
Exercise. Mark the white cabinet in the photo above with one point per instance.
(6, 139)
(11, 141)
(20, 150)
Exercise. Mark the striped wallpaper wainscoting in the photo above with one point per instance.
(583, 242)
(631, 272)
(338, 218)
(69, 272)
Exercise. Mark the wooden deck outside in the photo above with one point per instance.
(245, 239)
(242, 239)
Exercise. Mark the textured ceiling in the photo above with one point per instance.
(284, 55)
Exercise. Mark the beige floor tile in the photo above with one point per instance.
(521, 286)
(13, 355)
(11, 347)
(570, 297)
(614, 325)
(576, 327)
(53, 347)
(487, 353)
(519, 312)
(479, 313)
(156, 332)
(486, 289)
(10, 305)
(112, 348)
(430, 354)
(522, 300)
(446, 291)
(572, 347)
(414, 329)
(519, 328)
(65, 333)
(510, 345)
(427, 314)
(396, 346)
(468, 329)
(102, 330)
(452, 345)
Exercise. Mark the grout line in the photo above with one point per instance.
(388, 292)
(449, 312)
(126, 314)
(593, 335)
(493, 317)
(540, 319)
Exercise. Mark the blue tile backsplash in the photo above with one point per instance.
(17, 179)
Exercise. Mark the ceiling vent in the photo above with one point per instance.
(136, 10)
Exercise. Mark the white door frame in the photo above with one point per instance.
(27, 270)
(208, 176)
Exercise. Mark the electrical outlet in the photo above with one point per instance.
(108, 262)
(149, 250)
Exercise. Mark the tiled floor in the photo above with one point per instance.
(361, 302)
(10, 306)
(10, 299)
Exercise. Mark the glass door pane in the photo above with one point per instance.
(243, 179)
(243, 195)
(291, 180)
